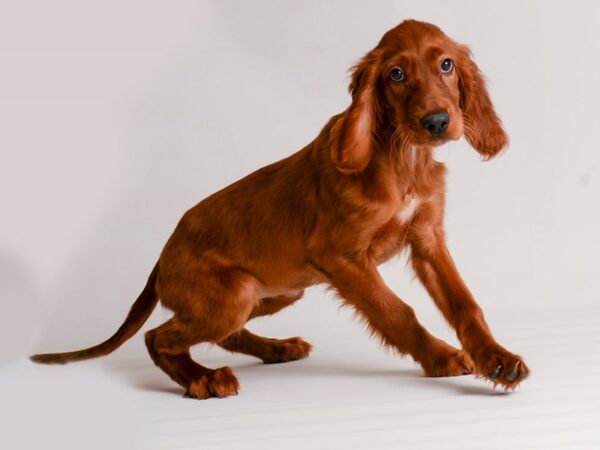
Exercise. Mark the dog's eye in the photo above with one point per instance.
(397, 74)
(447, 65)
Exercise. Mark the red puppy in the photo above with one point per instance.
(363, 190)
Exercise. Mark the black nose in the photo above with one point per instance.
(436, 123)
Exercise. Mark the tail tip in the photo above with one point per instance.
(47, 358)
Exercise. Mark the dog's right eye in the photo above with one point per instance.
(397, 74)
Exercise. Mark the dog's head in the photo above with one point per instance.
(418, 88)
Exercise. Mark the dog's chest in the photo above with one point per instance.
(390, 237)
(408, 209)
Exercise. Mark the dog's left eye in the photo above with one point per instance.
(397, 74)
(447, 65)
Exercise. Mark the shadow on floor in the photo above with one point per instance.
(145, 376)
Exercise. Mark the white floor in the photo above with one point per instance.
(348, 394)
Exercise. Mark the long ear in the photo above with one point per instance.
(483, 128)
(351, 136)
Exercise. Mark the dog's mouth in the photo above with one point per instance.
(414, 134)
(426, 140)
(437, 141)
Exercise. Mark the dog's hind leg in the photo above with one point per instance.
(268, 349)
(270, 305)
(169, 346)
(216, 305)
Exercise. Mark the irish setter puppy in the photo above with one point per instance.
(363, 190)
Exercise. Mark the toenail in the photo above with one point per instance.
(513, 374)
(495, 373)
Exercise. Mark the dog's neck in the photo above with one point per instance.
(409, 161)
(406, 158)
(405, 170)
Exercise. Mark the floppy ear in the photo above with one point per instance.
(351, 136)
(483, 128)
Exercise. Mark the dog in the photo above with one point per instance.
(365, 189)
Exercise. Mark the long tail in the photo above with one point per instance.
(138, 314)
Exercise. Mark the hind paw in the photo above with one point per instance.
(219, 383)
(287, 350)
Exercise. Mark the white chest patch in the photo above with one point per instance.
(409, 209)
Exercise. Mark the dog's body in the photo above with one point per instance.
(363, 190)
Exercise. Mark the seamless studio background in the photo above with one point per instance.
(117, 116)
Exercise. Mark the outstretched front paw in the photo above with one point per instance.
(500, 366)
(449, 362)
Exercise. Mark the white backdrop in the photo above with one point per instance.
(117, 116)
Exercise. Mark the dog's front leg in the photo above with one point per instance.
(438, 273)
(361, 286)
